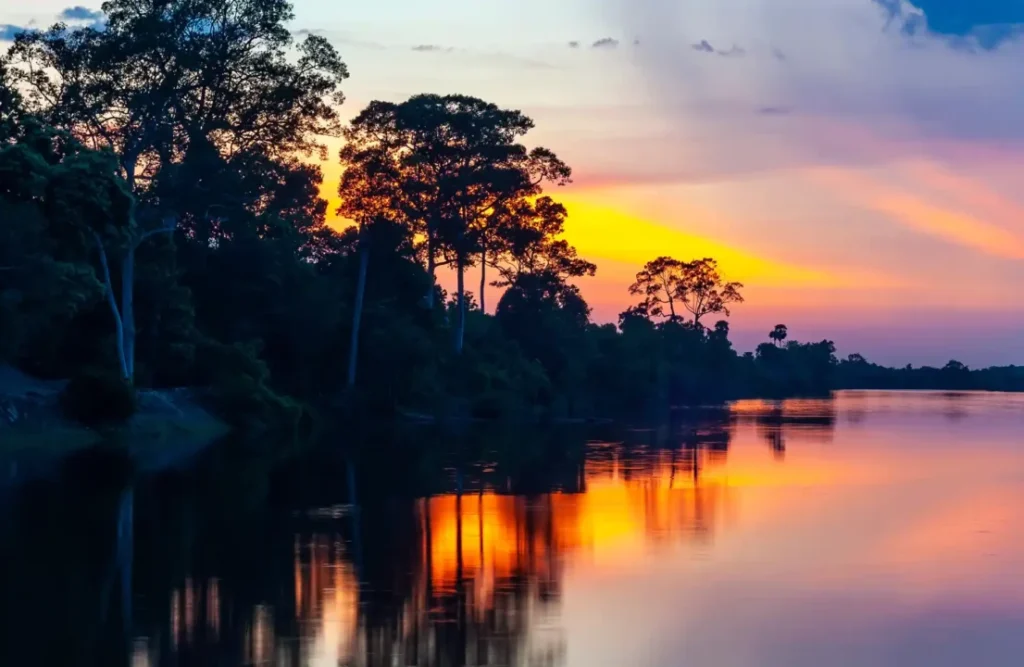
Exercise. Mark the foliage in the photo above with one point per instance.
(696, 287)
(238, 389)
(452, 171)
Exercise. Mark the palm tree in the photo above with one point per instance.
(779, 334)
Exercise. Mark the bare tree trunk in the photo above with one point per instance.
(108, 287)
(357, 311)
(128, 310)
(483, 279)
(460, 321)
(128, 279)
(430, 270)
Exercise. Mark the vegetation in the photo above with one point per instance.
(161, 221)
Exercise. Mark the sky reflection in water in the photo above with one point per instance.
(878, 529)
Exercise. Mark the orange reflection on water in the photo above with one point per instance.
(326, 600)
(191, 605)
(622, 510)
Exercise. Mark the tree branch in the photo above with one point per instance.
(170, 223)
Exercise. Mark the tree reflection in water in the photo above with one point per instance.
(463, 569)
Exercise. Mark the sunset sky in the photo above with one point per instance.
(856, 163)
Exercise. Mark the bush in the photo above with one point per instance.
(239, 391)
(250, 405)
(97, 397)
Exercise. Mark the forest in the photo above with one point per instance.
(162, 226)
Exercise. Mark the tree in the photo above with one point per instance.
(527, 241)
(452, 169)
(181, 85)
(778, 334)
(661, 284)
(370, 190)
(548, 318)
(543, 221)
(45, 275)
(702, 291)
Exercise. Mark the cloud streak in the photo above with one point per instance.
(80, 13)
(951, 224)
(431, 48)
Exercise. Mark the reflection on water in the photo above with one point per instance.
(873, 529)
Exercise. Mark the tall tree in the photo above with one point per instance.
(457, 169)
(370, 190)
(165, 80)
(779, 334)
(703, 291)
(661, 283)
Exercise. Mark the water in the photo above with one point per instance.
(875, 529)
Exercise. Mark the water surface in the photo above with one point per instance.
(873, 529)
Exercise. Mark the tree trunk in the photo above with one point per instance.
(357, 313)
(112, 302)
(483, 279)
(460, 306)
(128, 311)
(430, 270)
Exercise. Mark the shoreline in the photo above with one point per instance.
(169, 427)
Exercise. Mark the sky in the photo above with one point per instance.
(855, 163)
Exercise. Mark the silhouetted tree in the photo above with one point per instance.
(160, 81)
(370, 189)
(527, 241)
(661, 283)
(779, 334)
(704, 293)
(458, 171)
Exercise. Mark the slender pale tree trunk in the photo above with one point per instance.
(357, 310)
(128, 280)
(460, 316)
(124, 315)
(108, 287)
(128, 310)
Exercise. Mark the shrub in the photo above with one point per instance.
(97, 397)
(250, 405)
(239, 391)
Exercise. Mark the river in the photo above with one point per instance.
(871, 529)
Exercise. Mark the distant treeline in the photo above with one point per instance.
(161, 225)
(855, 372)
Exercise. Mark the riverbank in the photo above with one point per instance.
(169, 425)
